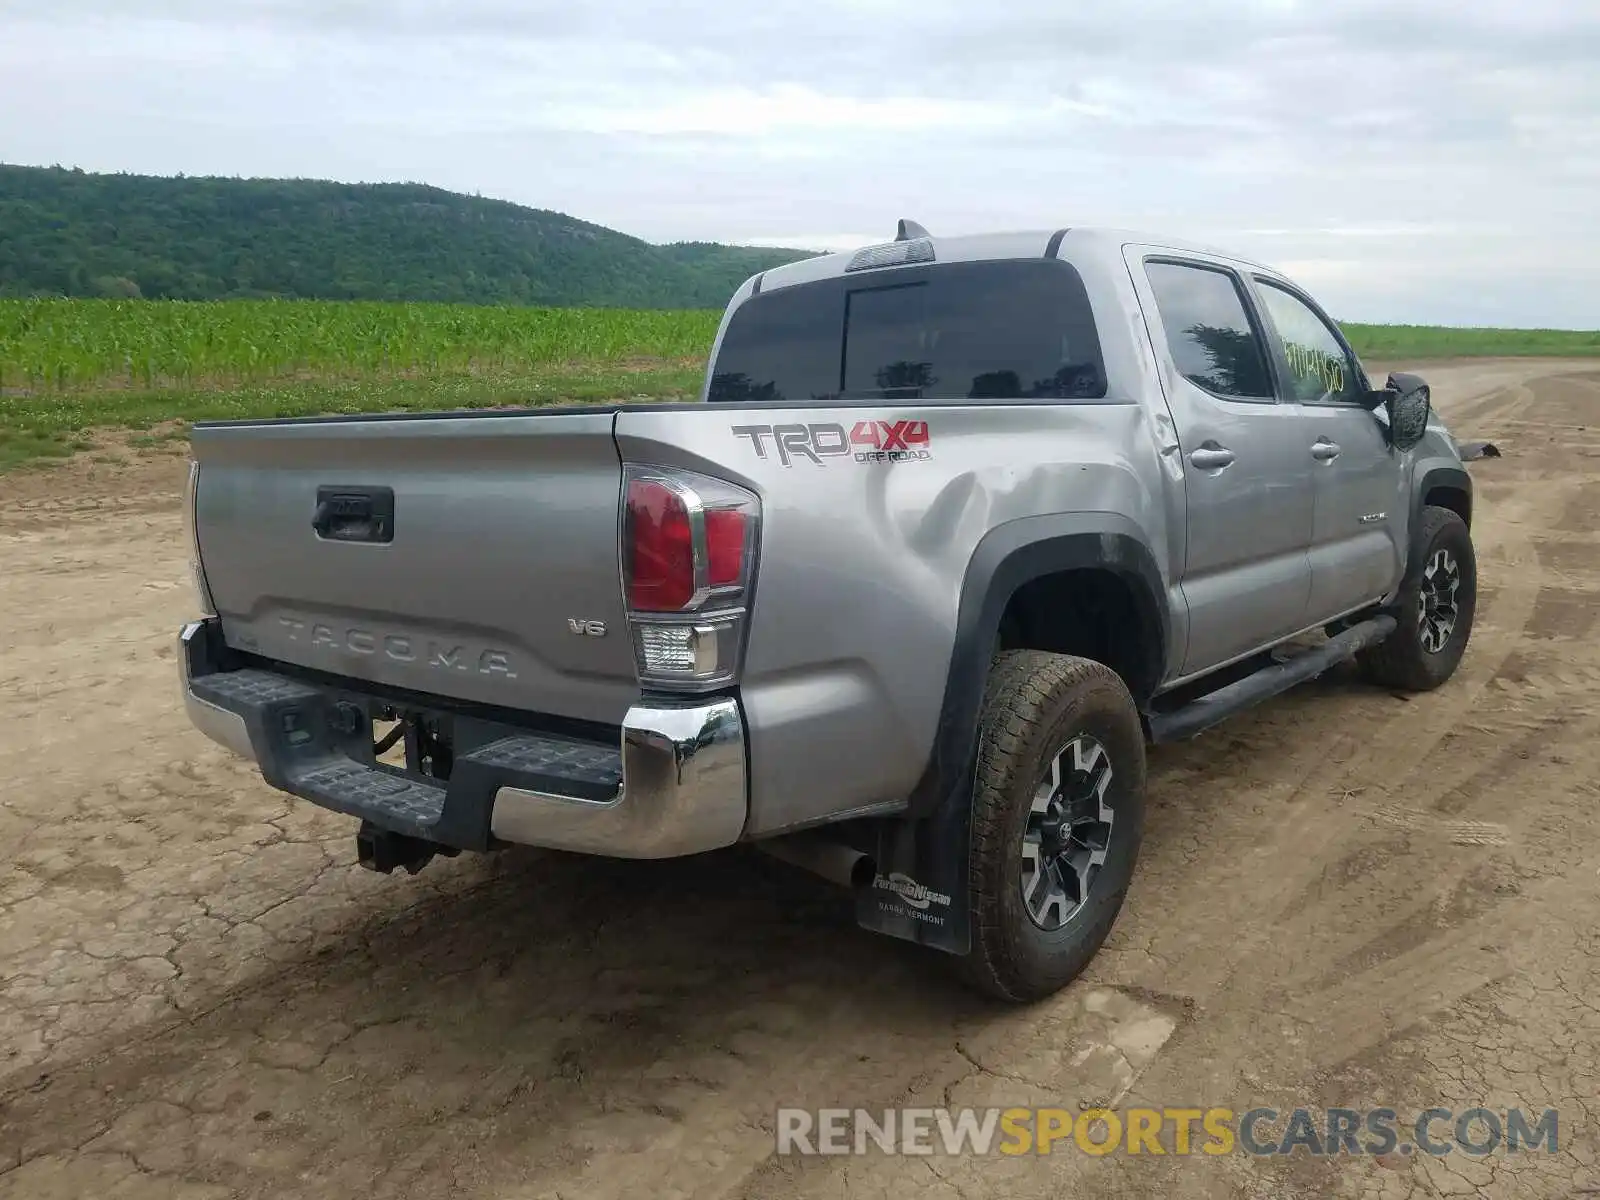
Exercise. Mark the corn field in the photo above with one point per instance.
(68, 345)
(56, 346)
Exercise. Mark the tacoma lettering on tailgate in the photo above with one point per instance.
(400, 647)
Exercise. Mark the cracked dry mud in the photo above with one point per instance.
(1345, 899)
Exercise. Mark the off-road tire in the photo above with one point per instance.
(1402, 661)
(1035, 704)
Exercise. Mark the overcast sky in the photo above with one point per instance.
(1427, 160)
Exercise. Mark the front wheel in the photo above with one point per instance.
(1435, 608)
(1057, 819)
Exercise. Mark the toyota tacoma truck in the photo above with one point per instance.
(958, 527)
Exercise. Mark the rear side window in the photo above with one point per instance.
(1208, 331)
(1004, 330)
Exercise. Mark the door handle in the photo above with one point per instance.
(1211, 457)
(1324, 451)
(354, 514)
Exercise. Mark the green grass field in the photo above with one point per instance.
(71, 366)
(70, 345)
(1388, 342)
(43, 426)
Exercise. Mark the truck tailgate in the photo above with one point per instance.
(497, 577)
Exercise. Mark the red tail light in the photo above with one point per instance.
(725, 546)
(659, 548)
(688, 558)
(688, 541)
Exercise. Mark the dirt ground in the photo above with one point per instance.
(1346, 898)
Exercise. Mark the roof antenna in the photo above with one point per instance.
(910, 229)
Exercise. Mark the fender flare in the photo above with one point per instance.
(1450, 477)
(1433, 477)
(1007, 558)
(920, 889)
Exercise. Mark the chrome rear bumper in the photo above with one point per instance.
(683, 791)
(683, 785)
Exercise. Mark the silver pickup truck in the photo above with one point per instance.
(958, 526)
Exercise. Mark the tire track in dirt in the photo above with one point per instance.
(1528, 725)
(1481, 851)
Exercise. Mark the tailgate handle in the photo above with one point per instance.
(354, 514)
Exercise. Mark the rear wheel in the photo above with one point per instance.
(1058, 816)
(1435, 609)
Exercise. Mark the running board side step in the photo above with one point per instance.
(1213, 707)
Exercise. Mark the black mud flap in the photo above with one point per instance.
(919, 891)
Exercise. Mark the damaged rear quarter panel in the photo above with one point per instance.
(863, 557)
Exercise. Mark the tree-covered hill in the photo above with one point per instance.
(72, 233)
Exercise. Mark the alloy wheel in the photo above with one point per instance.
(1437, 607)
(1068, 833)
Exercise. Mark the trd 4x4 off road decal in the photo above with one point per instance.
(866, 441)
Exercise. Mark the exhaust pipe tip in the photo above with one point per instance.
(864, 871)
(842, 865)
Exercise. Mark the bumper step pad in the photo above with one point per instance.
(389, 801)
(303, 748)
(562, 762)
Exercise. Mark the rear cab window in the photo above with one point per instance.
(1209, 333)
(1007, 329)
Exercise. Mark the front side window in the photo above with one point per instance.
(1002, 330)
(1209, 334)
(1320, 372)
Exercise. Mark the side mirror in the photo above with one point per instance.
(1410, 403)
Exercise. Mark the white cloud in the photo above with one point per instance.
(783, 109)
(1414, 159)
